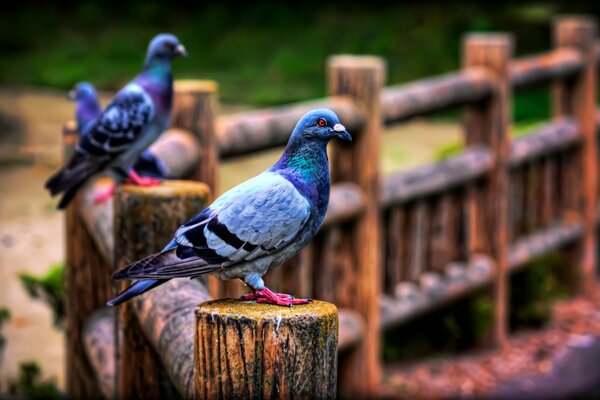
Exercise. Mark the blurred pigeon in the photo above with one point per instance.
(134, 119)
(87, 106)
(255, 226)
(87, 110)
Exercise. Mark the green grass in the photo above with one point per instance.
(50, 288)
(260, 53)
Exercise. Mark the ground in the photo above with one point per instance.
(32, 232)
(544, 362)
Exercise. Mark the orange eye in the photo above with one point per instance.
(321, 122)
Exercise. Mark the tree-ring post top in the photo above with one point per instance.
(233, 308)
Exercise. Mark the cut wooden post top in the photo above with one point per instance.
(250, 310)
(195, 86)
(168, 189)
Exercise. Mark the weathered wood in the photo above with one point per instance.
(249, 350)
(543, 68)
(362, 78)
(179, 152)
(578, 98)
(195, 109)
(88, 285)
(394, 246)
(543, 241)
(99, 343)
(345, 203)
(444, 232)
(415, 299)
(144, 221)
(402, 187)
(352, 329)
(166, 317)
(434, 94)
(488, 124)
(252, 131)
(551, 138)
(417, 257)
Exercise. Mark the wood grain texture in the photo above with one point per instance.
(362, 79)
(195, 109)
(488, 123)
(251, 131)
(247, 350)
(144, 221)
(577, 97)
(99, 341)
(88, 285)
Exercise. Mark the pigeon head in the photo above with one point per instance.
(165, 46)
(321, 124)
(83, 91)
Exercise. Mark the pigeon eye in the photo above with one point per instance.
(321, 122)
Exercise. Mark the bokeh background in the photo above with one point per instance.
(260, 53)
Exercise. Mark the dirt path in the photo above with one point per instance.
(32, 232)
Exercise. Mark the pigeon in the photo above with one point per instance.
(254, 226)
(131, 122)
(87, 106)
(87, 110)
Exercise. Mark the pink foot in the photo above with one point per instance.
(145, 181)
(268, 297)
(105, 194)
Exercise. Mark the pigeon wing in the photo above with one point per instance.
(120, 124)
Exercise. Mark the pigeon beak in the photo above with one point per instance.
(72, 95)
(181, 51)
(341, 132)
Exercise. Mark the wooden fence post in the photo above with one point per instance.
(361, 78)
(195, 110)
(256, 351)
(488, 123)
(88, 285)
(145, 219)
(577, 97)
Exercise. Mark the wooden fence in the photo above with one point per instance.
(392, 247)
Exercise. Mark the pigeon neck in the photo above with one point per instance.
(86, 111)
(308, 158)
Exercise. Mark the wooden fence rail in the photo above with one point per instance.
(392, 247)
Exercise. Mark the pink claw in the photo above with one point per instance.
(145, 181)
(105, 194)
(266, 296)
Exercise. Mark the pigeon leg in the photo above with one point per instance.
(266, 296)
(135, 179)
(105, 194)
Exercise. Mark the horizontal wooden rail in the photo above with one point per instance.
(434, 290)
(99, 344)
(250, 131)
(346, 201)
(550, 138)
(166, 317)
(432, 179)
(543, 68)
(179, 151)
(352, 328)
(544, 241)
(426, 96)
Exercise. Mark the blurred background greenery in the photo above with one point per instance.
(261, 53)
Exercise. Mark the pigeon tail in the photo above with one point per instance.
(70, 178)
(135, 289)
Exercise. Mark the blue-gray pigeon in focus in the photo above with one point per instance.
(131, 122)
(255, 226)
(87, 110)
